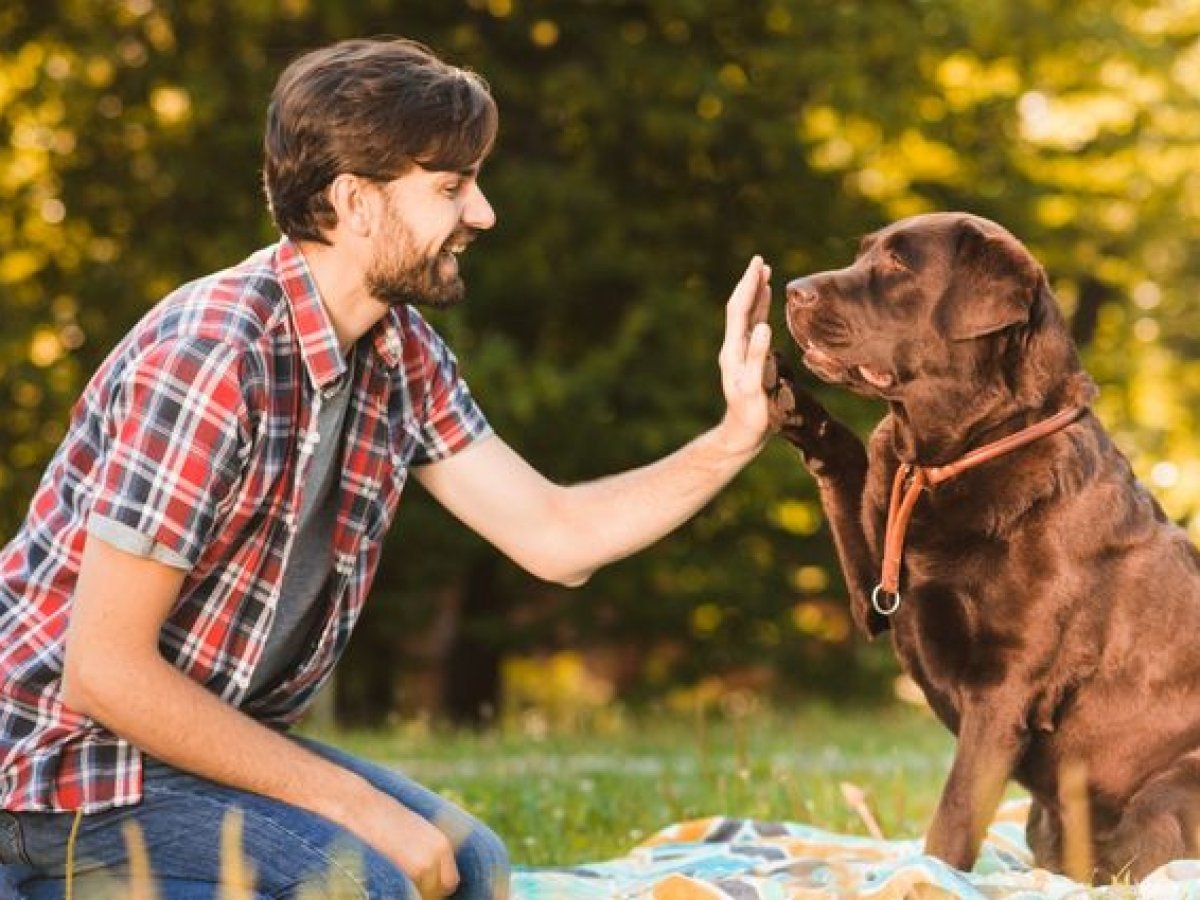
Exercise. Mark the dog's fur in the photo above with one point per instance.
(1050, 612)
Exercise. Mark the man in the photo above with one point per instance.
(203, 540)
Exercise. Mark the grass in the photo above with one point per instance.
(592, 788)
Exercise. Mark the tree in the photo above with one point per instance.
(647, 150)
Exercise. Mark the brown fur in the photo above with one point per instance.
(1050, 611)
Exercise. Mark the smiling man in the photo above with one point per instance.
(203, 541)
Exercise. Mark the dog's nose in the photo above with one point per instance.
(801, 293)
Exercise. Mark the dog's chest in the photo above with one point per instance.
(952, 634)
(964, 620)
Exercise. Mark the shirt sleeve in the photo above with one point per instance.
(176, 432)
(452, 419)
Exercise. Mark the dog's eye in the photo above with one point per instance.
(895, 262)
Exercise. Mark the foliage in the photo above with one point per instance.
(648, 148)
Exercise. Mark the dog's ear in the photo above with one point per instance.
(995, 281)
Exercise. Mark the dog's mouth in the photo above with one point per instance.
(876, 378)
(824, 364)
(829, 368)
(827, 364)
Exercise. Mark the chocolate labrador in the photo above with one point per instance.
(1033, 588)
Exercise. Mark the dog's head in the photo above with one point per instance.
(935, 309)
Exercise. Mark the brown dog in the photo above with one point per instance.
(1038, 595)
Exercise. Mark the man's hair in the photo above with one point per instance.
(372, 108)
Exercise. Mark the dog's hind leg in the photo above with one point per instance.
(1043, 833)
(1160, 823)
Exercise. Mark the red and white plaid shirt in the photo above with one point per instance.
(196, 434)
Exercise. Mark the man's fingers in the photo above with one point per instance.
(449, 875)
(744, 293)
(743, 305)
(759, 350)
(440, 882)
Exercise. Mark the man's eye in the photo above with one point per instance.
(453, 189)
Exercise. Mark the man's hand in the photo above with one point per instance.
(743, 355)
(422, 851)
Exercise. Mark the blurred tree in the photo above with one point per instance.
(648, 148)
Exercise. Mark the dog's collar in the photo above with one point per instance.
(885, 599)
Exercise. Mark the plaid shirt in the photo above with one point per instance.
(195, 436)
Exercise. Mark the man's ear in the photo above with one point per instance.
(994, 283)
(352, 203)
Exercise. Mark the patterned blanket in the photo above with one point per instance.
(740, 859)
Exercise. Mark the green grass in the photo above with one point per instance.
(594, 789)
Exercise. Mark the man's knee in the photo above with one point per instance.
(483, 866)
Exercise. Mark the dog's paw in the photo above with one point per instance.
(804, 423)
(793, 412)
(781, 391)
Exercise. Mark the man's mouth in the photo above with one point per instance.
(450, 252)
(458, 242)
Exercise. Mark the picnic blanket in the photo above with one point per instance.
(742, 859)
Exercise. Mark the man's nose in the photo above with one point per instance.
(478, 212)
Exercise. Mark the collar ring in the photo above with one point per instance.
(881, 604)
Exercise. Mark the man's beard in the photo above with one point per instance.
(402, 274)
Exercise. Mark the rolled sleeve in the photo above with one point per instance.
(121, 536)
(175, 433)
(452, 419)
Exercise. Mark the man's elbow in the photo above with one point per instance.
(89, 685)
(558, 553)
(77, 686)
(559, 574)
(578, 579)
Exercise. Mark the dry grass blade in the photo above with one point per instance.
(141, 881)
(343, 880)
(70, 880)
(1076, 822)
(237, 875)
(856, 797)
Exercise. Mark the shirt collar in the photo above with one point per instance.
(318, 340)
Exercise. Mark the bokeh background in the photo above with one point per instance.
(648, 148)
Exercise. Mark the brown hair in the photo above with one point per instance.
(373, 108)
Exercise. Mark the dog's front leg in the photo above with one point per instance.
(990, 741)
(838, 460)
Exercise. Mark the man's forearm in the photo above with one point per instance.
(161, 711)
(613, 517)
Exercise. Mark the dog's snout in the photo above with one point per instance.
(801, 293)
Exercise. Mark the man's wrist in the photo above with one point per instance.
(735, 441)
(346, 795)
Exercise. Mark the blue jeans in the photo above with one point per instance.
(288, 849)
